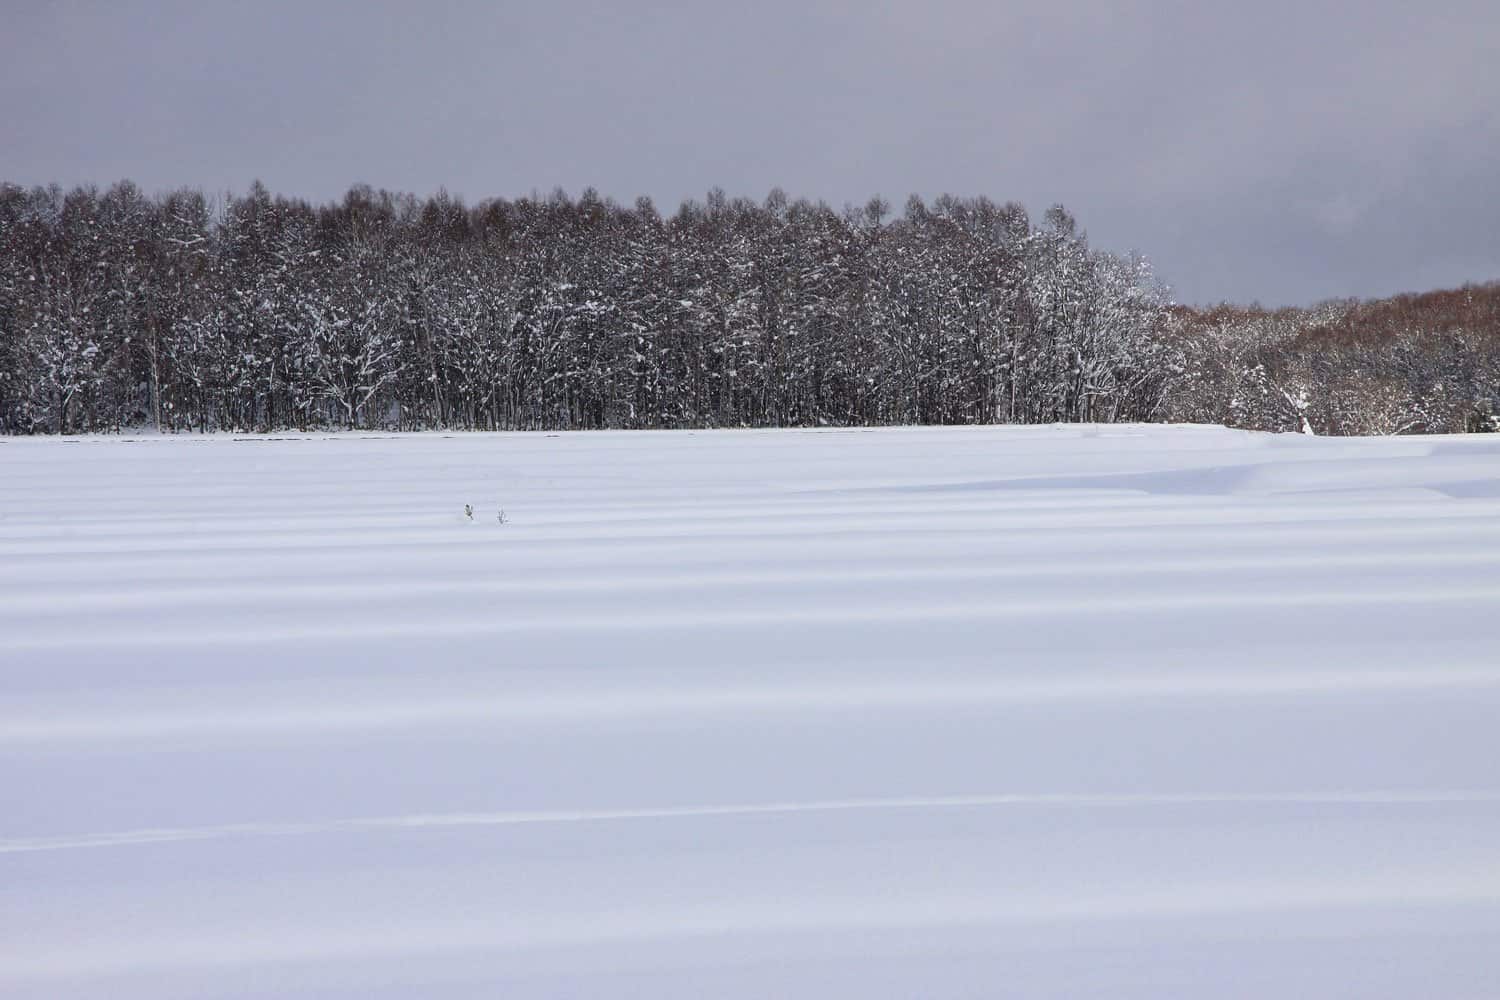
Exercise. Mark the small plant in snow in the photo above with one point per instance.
(469, 511)
(500, 517)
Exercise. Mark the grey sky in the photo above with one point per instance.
(1265, 149)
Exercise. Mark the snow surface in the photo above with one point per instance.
(1053, 712)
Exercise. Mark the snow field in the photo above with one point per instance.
(1124, 712)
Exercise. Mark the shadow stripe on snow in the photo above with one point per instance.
(1003, 608)
(42, 724)
(72, 600)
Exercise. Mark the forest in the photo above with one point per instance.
(253, 312)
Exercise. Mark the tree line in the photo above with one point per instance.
(254, 312)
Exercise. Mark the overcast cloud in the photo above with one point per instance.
(1270, 150)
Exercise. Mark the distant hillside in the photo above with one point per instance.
(1419, 363)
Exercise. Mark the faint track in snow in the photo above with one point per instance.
(1063, 800)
